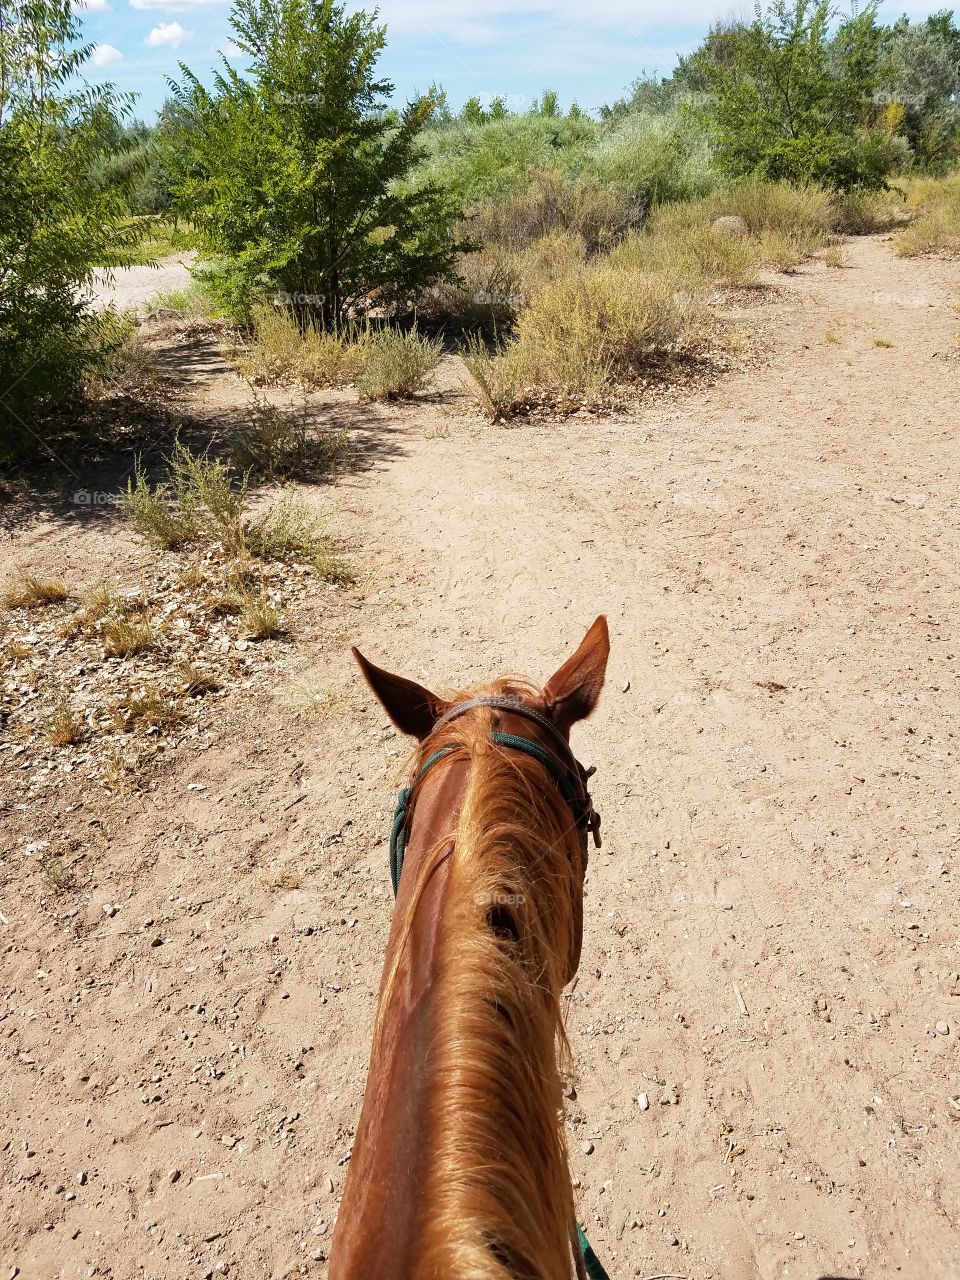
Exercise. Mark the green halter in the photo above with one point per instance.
(576, 796)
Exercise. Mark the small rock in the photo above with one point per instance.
(174, 1175)
(82, 1178)
(672, 1239)
(798, 1235)
(587, 1147)
(911, 924)
(626, 687)
(328, 1186)
(643, 1101)
(109, 910)
(569, 1091)
(942, 1028)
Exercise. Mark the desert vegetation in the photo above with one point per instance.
(481, 224)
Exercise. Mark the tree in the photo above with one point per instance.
(793, 101)
(298, 177)
(56, 225)
(921, 86)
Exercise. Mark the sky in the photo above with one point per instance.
(587, 50)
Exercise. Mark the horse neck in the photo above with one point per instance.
(460, 1147)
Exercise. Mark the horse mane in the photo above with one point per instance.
(497, 1202)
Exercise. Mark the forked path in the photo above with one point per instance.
(772, 925)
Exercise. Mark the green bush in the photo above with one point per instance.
(295, 177)
(792, 100)
(56, 226)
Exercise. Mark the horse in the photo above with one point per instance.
(459, 1168)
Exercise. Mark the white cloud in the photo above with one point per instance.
(170, 33)
(173, 6)
(91, 6)
(105, 55)
(231, 50)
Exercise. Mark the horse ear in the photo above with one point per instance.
(412, 708)
(572, 692)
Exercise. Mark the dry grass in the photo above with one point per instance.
(497, 378)
(148, 708)
(276, 445)
(277, 881)
(280, 350)
(126, 634)
(835, 257)
(831, 337)
(193, 681)
(66, 727)
(882, 342)
(934, 205)
(260, 618)
(397, 364)
(59, 875)
(26, 591)
(591, 321)
(96, 603)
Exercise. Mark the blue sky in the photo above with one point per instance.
(588, 50)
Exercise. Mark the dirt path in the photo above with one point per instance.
(772, 924)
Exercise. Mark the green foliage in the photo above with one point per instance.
(56, 225)
(489, 158)
(295, 175)
(792, 99)
(920, 88)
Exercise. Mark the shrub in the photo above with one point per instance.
(281, 349)
(56, 227)
(397, 364)
(936, 224)
(275, 445)
(652, 158)
(290, 530)
(199, 500)
(864, 213)
(552, 202)
(599, 323)
(819, 128)
(317, 207)
(497, 377)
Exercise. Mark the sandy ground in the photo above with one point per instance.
(772, 926)
(132, 288)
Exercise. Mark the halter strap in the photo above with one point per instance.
(571, 779)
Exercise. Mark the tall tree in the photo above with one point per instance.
(57, 225)
(296, 175)
(791, 97)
